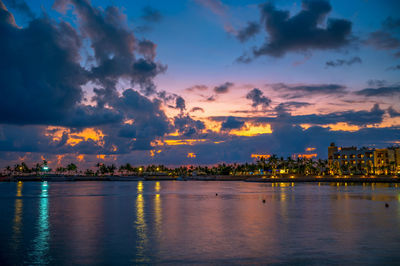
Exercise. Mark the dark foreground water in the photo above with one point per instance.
(172, 222)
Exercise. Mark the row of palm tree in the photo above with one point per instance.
(273, 166)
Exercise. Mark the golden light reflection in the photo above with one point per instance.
(158, 209)
(17, 222)
(250, 130)
(140, 224)
(140, 187)
(310, 149)
(157, 186)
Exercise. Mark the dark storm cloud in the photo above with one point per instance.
(341, 62)
(40, 73)
(150, 121)
(303, 31)
(380, 92)
(114, 46)
(187, 126)
(223, 88)
(151, 14)
(42, 78)
(231, 123)
(257, 98)
(397, 67)
(299, 91)
(21, 6)
(249, 31)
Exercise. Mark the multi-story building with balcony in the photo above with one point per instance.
(350, 160)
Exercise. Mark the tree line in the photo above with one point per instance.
(273, 165)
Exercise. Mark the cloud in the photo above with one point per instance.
(21, 6)
(151, 14)
(42, 80)
(231, 123)
(114, 47)
(187, 126)
(197, 88)
(392, 112)
(341, 62)
(147, 49)
(391, 23)
(195, 109)
(377, 82)
(299, 91)
(359, 118)
(210, 98)
(303, 31)
(379, 92)
(382, 40)
(257, 98)
(180, 103)
(223, 88)
(216, 6)
(287, 106)
(397, 67)
(249, 31)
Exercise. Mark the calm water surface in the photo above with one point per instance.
(172, 222)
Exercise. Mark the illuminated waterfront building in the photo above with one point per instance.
(350, 160)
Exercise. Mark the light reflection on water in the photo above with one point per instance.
(39, 254)
(17, 222)
(199, 222)
(140, 225)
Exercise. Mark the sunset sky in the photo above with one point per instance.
(196, 81)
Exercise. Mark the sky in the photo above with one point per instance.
(196, 82)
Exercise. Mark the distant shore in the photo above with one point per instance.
(261, 179)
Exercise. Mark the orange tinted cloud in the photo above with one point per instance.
(191, 155)
(74, 138)
(250, 130)
(259, 156)
(307, 156)
(174, 142)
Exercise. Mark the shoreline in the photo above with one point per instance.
(257, 179)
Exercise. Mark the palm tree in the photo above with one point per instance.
(72, 168)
